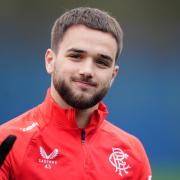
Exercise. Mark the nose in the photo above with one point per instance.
(87, 68)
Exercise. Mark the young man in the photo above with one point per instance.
(67, 136)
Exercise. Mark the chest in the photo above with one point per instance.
(66, 156)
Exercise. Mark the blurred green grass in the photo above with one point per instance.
(166, 173)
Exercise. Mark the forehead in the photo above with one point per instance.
(89, 40)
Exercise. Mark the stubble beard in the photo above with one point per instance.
(78, 101)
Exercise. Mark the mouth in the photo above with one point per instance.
(85, 83)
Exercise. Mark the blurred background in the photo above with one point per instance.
(145, 98)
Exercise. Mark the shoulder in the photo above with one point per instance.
(126, 143)
(23, 126)
(17, 124)
(124, 138)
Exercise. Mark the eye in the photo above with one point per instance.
(102, 63)
(75, 57)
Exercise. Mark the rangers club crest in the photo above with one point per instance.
(117, 159)
(48, 160)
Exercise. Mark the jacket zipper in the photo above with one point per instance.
(83, 136)
(84, 149)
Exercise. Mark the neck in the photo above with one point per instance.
(82, 116)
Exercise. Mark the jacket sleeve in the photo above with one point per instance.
(6, 145)
(146, 170)
(145, 173)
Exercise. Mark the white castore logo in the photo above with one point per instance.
(117, 159)
(48, 160)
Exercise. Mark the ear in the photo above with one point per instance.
(114, 74)
(49, 60)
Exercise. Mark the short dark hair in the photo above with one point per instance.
(90, 17)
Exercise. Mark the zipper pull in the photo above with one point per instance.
(83, 136)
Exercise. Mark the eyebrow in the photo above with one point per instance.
(76, 50)
(106, 57)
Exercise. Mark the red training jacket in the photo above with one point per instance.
(50, 146)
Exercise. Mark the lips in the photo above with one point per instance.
(83, 85)
(84, 82)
